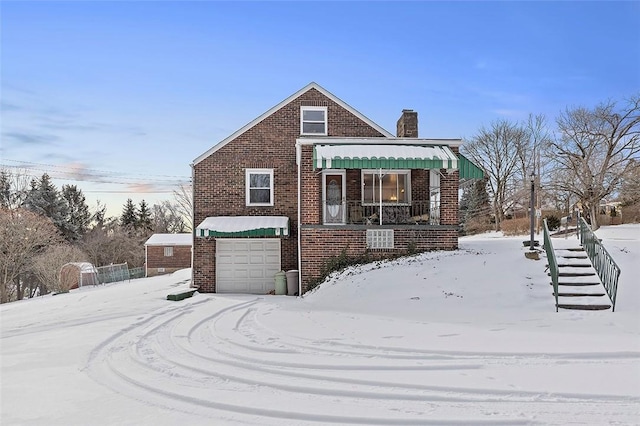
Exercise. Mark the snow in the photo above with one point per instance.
(242, 223)
(170, 240)
(467, 337)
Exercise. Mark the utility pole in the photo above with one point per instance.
(532, 208)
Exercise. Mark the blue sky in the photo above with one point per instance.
(123, 96)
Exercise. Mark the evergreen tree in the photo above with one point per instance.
(475, 207)
(44, 199)
(5, 189)
(99, 217)
(129, 217)
(144, 221)
(78, 216)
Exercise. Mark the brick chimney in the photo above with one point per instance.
(408, 124)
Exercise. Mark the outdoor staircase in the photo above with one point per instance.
(579, 286)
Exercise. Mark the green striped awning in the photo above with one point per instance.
(384, 156)
(243, 226)
(468, 169)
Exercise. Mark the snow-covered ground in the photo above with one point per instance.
(467, 337)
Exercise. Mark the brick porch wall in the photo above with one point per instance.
(319, 243)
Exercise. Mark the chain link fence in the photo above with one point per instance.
(119, 272)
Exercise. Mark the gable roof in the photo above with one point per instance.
(305, 89)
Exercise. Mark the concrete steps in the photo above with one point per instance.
(579, 287)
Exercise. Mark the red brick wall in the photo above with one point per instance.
(181, 257)
(321, 243)
(156, 259)
(219, 180)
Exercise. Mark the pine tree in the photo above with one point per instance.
(475, 207)
(44, 199)
(5, 189)
(144, 221)
(78, 216)
(129, 218)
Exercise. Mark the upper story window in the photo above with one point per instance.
(395, 186)
(259, 187)
(313, 120)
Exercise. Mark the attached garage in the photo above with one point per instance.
(247, 265)
(248, 251)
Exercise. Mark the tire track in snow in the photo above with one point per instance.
(188, 358)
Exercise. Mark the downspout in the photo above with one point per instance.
(146, 261)
(193, 222)
(298, 163)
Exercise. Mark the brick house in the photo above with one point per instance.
(167, 253)
(311, 178)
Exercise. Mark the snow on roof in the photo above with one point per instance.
(243, 223)
(85, 267)
(170, 240)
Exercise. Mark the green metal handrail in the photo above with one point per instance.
(603, 263)
(553, 263)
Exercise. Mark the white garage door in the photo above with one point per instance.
(247, 265)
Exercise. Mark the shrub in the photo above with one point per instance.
(520, 226)
(477, 225)
(553, 222)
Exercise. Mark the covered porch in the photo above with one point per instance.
(388, 184)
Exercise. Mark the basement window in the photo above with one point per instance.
(380, 239)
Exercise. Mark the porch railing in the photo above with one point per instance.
(551, 259)
(358, 213)
(603, 263)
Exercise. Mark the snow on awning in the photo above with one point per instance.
(244, 226)
(384, 156)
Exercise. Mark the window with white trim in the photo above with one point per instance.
(395, 185)
(313, 120)
(259, 187)
(168, 251)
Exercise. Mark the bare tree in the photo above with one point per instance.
(46, 266)
(167, 218)
(184, 200)
(594, 151)
(630, 187)
(115, 245)
(501, 150)
(14, 187)
(23, 235)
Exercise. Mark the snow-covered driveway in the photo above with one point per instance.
(447, 345)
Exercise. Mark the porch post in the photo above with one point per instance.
(380, 190)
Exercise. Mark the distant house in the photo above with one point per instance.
(312, 178)
(167, 253)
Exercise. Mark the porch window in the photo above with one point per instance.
(259, 187)
(395, 186)
(313, 120)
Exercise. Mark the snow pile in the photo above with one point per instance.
(466, 337)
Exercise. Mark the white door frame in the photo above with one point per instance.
(341, 208)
